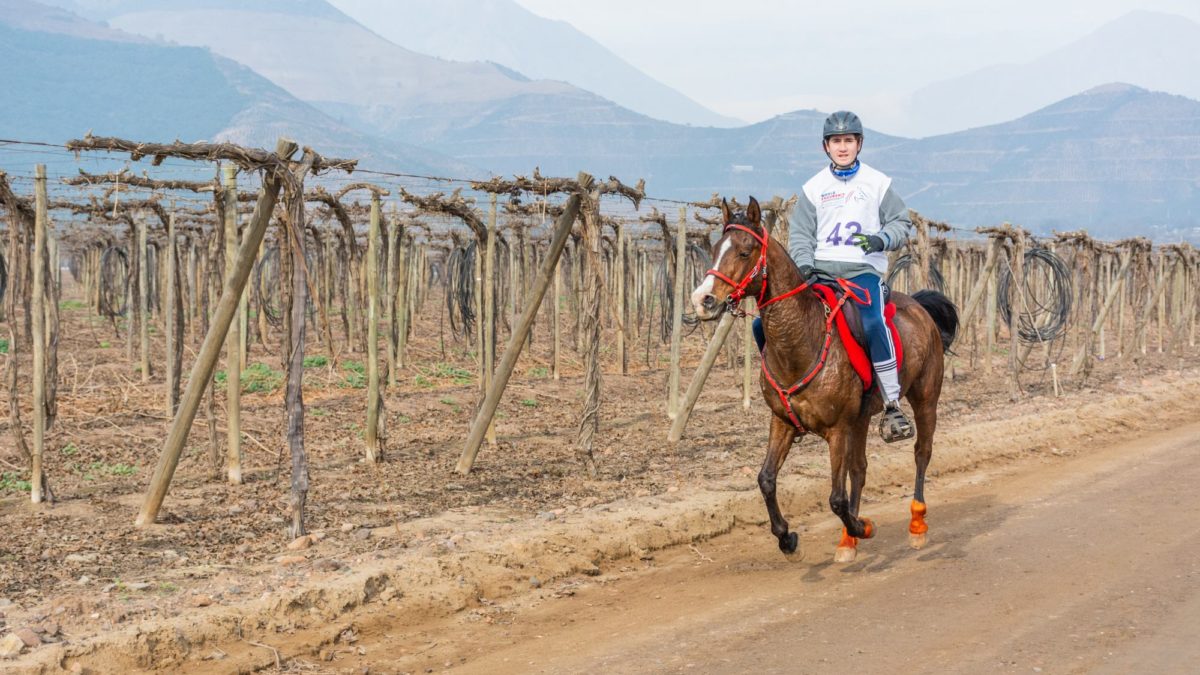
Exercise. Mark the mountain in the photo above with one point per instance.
(1117, 159)
(327, 59)
(64, 76)
(503, 32)
(1148, 49)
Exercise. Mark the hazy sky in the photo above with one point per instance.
(756, 58)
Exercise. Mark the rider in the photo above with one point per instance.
(847, 216)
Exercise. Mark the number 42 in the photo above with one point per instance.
(835, 237)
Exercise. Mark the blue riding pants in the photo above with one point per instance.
(879, 338)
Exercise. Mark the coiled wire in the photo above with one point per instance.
(1046, 311)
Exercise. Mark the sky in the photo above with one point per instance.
(753, 59)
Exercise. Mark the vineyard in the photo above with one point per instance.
(234, 373)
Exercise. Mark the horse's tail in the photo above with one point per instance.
(943, 312)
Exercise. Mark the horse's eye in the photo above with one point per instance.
(744, 254)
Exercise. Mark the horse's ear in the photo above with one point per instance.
(754, 212)
(725, 214)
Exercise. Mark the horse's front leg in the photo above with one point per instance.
(782, 435)
(848, 458)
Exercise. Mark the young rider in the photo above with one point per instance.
(847, 216)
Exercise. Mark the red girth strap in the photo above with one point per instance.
(785, 395)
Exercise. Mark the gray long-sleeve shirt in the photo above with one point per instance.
(896, 226)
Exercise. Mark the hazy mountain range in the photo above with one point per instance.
(1117, 159)
(501, 31)
(1152, 50)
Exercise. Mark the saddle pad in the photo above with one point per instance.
(859, 359)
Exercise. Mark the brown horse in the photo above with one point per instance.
(832, 404)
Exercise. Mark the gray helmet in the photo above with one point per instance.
(842, 122)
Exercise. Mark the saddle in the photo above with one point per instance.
(850, 329)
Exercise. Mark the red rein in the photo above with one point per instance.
(831, 312)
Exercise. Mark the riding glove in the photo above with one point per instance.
(868, 242)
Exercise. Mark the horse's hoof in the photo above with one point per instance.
(917, 541)
(845, 554)
(868, 528)
(789, 542)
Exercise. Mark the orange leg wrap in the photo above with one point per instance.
(918, 526)
(847, 541)
(868, 528)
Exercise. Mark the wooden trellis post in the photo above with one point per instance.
(374, 399)
(487, 410)
(143, 298)
(233, 340)
(38, 323)
(677, 315)
(699, 377)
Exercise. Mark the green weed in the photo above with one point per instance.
(11, 482)
(356, 375)
(529, 402)
(315, 361)
(72, 304)
(540, 371)
(3, 346)
(69, 450)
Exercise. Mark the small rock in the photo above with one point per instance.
(242, 548)
(286, 560)
(216, 655)
(11, 646)
(326, 655)
(50, 628)
(361, 534)
(592, 571)
(316, 536)
(170, 554)
(84, 580)
(327, 565)
(547, 515)
(5, 602)
(675, 488)
(28, 637)
(535, 582)
(300, 543)
(347, 527)
(235, 590)
(201, 600)
(138, 585)
(81, 558)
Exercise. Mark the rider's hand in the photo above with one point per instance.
(808, 273)
(869, 243)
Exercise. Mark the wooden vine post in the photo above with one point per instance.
(374, 399)
(489, 308)
(698, 378)
(491, 401)
(677, 315)
(143, 299)
(233, 357)
(38, 322)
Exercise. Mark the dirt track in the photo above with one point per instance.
(1087, 563)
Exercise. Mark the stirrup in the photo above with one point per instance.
(894, 426)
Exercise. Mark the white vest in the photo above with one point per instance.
(845, 208)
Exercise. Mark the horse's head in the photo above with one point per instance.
(739, 258)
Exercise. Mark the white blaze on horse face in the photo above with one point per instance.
(706, 287)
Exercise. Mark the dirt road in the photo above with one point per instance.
(1084, 563)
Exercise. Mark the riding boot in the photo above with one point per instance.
(894, 425)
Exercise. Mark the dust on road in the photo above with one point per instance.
(1088, 563)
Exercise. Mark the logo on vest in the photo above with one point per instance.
(833, 195)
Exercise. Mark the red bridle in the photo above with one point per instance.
(739, 287)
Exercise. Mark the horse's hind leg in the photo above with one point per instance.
(925, 412)
(782, 434)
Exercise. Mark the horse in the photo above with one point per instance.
(828, 398)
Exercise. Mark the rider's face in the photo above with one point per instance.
(843, 148)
